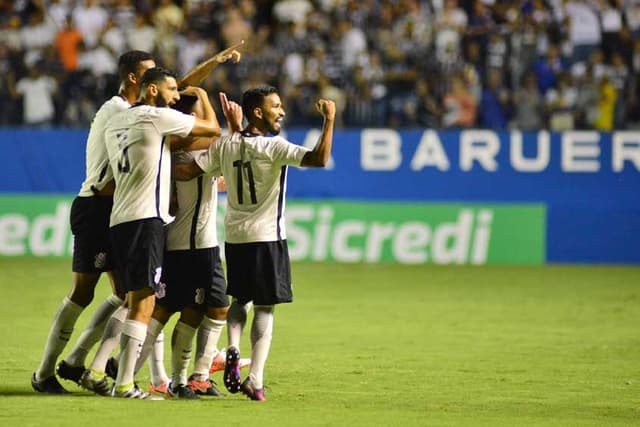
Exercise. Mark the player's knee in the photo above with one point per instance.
(218, 313)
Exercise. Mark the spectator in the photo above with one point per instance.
(449, 26)
(90, 18)
(142, 36)
(427, 110)
(168, 20)
(10, 33)
(611, 23)
(607, 95)
(586, 111)
(113, 38)
(481, 24)
(123, 14)
(459, 105)
(561, 103)
(632, 17)
(36, 35)
(620, 81)
(528, 104)
(548, 68)
(495, 104)
(584, 28)
(37, 91)
(68, 44)
(57, 13)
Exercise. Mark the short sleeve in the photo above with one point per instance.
(209, 161)
(172, 122)
(284, 152)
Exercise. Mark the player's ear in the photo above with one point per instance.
(153, 89)
(257, 112)
(132, 78)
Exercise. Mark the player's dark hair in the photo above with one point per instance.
(130, 61)
(155, 75)
(254, 97)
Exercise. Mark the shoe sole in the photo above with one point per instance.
(232, 371)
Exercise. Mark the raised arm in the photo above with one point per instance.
(196, 75)
(232, 112)
(206, 126)
(321, 153)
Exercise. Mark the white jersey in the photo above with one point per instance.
(255, 172)
(195, 223)
(140, 157)
(98, 172)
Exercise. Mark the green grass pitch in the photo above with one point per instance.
(380, 345)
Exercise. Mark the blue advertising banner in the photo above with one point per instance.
(587, 180)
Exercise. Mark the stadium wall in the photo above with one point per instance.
(410, 196)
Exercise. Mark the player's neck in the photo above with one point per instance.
(129, 94)
(254, 131)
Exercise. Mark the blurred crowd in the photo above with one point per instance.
(498, 64)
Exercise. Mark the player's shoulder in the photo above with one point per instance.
(262, 140)
(108, 110)
(113, 105)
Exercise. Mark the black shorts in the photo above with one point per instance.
(89, 220)
(193, 278)
(259, 272)
(138, 249)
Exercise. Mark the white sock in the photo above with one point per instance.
(156, 362)
(181, 346)
(236, 319)
(153, 349)
(93, 331)
(133, 335)
(59, 334)
(110, 339)
(261, 333)
(206, 346)
(154, 328)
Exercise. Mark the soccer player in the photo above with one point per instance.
(193, 281)
(92, 254)
(258, 269)
(140, 157)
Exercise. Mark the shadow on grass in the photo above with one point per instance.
(21, 391)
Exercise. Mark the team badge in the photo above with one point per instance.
(160, 289)
(100, 260)
(199, 299)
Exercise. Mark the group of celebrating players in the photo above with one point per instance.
(146, 216)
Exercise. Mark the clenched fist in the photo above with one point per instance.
(327, 108)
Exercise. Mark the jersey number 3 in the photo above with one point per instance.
(252, 185)
(124, 165)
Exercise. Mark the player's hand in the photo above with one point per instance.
(231, 53)
(222, 184)
(232, 112)
(327, 108)
(193, 91)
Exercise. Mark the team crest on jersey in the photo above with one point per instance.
(100, 260)
(199, 299)
(160, 289)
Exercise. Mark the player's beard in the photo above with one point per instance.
(161, 102)
(271, 127)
